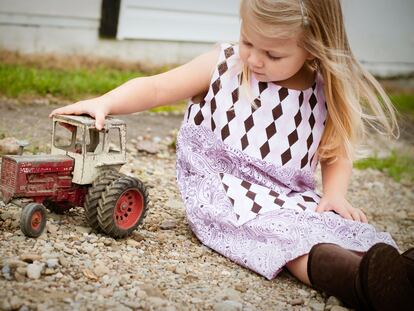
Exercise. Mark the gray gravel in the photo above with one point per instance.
(162, 266)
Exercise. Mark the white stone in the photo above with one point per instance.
(34, 270)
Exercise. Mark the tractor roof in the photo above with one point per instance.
(87, 120)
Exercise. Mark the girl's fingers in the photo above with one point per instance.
(71, 109)
(345, 214)
(321, 207)
(363, 216)
(99, 120)
(356, 215)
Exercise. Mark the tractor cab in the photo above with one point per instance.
(92, 150)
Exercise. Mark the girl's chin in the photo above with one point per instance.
(261, 77)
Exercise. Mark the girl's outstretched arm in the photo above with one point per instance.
(335, 181)
(144, 93)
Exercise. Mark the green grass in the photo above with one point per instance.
(399, 167)
(19, 81)
(404, 103)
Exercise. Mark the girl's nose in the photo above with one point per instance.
(255, 59)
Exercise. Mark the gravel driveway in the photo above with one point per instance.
(162, 266)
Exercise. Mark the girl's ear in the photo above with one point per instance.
(309, 56)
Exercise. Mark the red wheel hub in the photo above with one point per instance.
(128, 209)
(36, 220)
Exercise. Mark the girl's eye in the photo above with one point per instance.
(273, 57)
(246, 43)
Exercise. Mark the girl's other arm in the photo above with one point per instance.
(335, 181)
(144, 93)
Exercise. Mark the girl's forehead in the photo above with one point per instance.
(280, 40)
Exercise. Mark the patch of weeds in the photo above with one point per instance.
(2, 135)
(399, 167)
(177, 108)
(33, 149)
(19, 80)
(404, 103)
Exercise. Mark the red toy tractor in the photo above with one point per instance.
(82, 170)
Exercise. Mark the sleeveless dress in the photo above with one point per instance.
(246, 172)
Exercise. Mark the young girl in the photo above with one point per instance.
(263, 114)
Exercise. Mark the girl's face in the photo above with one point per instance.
(271, 59)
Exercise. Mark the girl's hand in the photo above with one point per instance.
(340, 205)
(94, 107)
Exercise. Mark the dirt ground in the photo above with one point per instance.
(158, 268)
(30, 122)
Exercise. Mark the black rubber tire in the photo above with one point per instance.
(26, 225)
(58, 207)
(94, 195)
(108, 202)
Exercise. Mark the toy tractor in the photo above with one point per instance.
(82, 170)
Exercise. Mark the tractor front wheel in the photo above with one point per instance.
(123, 206)
(33, 219)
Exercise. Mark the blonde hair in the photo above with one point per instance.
(353, 96)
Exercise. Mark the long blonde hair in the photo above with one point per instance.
(353, 96)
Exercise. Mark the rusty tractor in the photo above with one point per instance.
(82, 170)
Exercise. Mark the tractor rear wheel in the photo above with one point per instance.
(94, 195)
(123, 206)
(33, 219)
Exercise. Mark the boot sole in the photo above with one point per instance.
(384, 279)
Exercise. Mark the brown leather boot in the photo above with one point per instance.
(334, 269)
(378, 281)
(384, 279)
(408, 258)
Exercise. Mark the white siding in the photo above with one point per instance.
(179, 20)
(49, 25)
(381, 32)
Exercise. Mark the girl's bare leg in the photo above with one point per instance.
(299, 268)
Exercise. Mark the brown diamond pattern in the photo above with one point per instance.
(283, 92)
(264, 149)
(277, 112)
(309, 141)
(228, 52)
(293, 137)
(262, 86)
(213, 124)
(313, 101)
(271, 130)
(304, 160)
(226, 188)
(225, 132)
(312, 121)
(274, 193)
(249, 123)
(300, 99)
(198, 118)
(279, 202)
(302, 206)
(308, 199)
(216, 86)
(213, 105)
(244, 142)
(235, 95)
(298, 118)
(230, 115)
(286, 156)
(258, 103)
(251, 195)
(246, 184)
(222, 67)
(256, 208)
